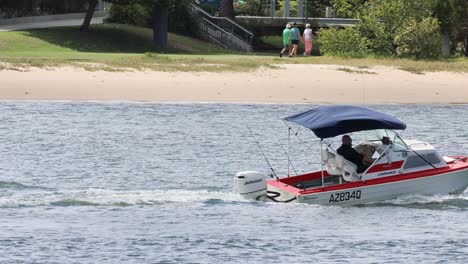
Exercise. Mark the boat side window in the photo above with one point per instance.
(415, 161)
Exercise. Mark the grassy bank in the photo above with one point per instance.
(114, 47)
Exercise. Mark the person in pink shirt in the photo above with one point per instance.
(307, 37)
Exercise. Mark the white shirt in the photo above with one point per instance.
(308, 33)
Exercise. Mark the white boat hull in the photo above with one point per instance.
(448, 183)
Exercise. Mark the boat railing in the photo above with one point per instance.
(381, 155)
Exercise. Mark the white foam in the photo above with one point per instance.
(112, 197)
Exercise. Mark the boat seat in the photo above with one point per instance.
(348, 169)
(328, 158)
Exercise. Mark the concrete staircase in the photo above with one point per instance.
(223, 31)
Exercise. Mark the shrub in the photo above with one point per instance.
(381, 20)
(180, 18)
(133, 14)
(347, 41)
(419, 39)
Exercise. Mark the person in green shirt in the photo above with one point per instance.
(286, 42)
(295, 37)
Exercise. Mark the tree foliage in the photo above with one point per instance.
(18, 8)
(252, 8)
(164, 15)
(348, 8)
(394, 26)
(419, 39)
(398, 27)
(382, 19)
(316, 8)
(293, 8)
(137, 14)
(453, 17)
(348, 41)
(134, 14)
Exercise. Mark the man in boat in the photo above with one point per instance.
(348, 152)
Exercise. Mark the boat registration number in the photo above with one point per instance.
(344, 196)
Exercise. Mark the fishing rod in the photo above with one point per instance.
(289, 159)
(259, 147)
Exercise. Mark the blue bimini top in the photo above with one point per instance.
(331, 121)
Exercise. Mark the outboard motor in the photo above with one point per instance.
(251, 184)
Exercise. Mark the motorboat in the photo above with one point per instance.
(398, 167)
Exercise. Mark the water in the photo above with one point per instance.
(152, 183)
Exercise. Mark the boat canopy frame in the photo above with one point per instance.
(334, 120)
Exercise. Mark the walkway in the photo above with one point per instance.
(49, 24)
(256, 21)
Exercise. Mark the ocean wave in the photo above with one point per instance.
(102, 197)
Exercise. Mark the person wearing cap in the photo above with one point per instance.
(294, 36)
(307, 36)
(286, 42)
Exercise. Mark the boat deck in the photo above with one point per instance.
(316, 183)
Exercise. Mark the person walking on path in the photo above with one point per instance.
(286, 42)
(294, 36)
(307, 36)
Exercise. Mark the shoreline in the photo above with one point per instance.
(209, 102)
(292, 84)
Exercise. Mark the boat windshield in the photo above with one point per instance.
(377, 135)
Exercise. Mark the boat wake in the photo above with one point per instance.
(436, 202)
(15, 194)
(18, 186)
(101, 197)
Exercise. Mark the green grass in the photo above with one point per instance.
(103, 40)
(114, 47)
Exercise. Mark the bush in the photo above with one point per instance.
(381, 20)
(133, 14)
(347, 41)
(419, 39)
(180, 19)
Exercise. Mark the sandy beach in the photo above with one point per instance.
(289, 84)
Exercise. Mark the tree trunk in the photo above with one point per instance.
(160, 25)
(445, 45)
(465, 49)
(89, 15)
(227, 8)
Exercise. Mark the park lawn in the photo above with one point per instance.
(115, 47)
(111, 47)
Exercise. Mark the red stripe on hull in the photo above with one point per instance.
(386, 166)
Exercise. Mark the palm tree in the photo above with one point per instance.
(227, 8)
